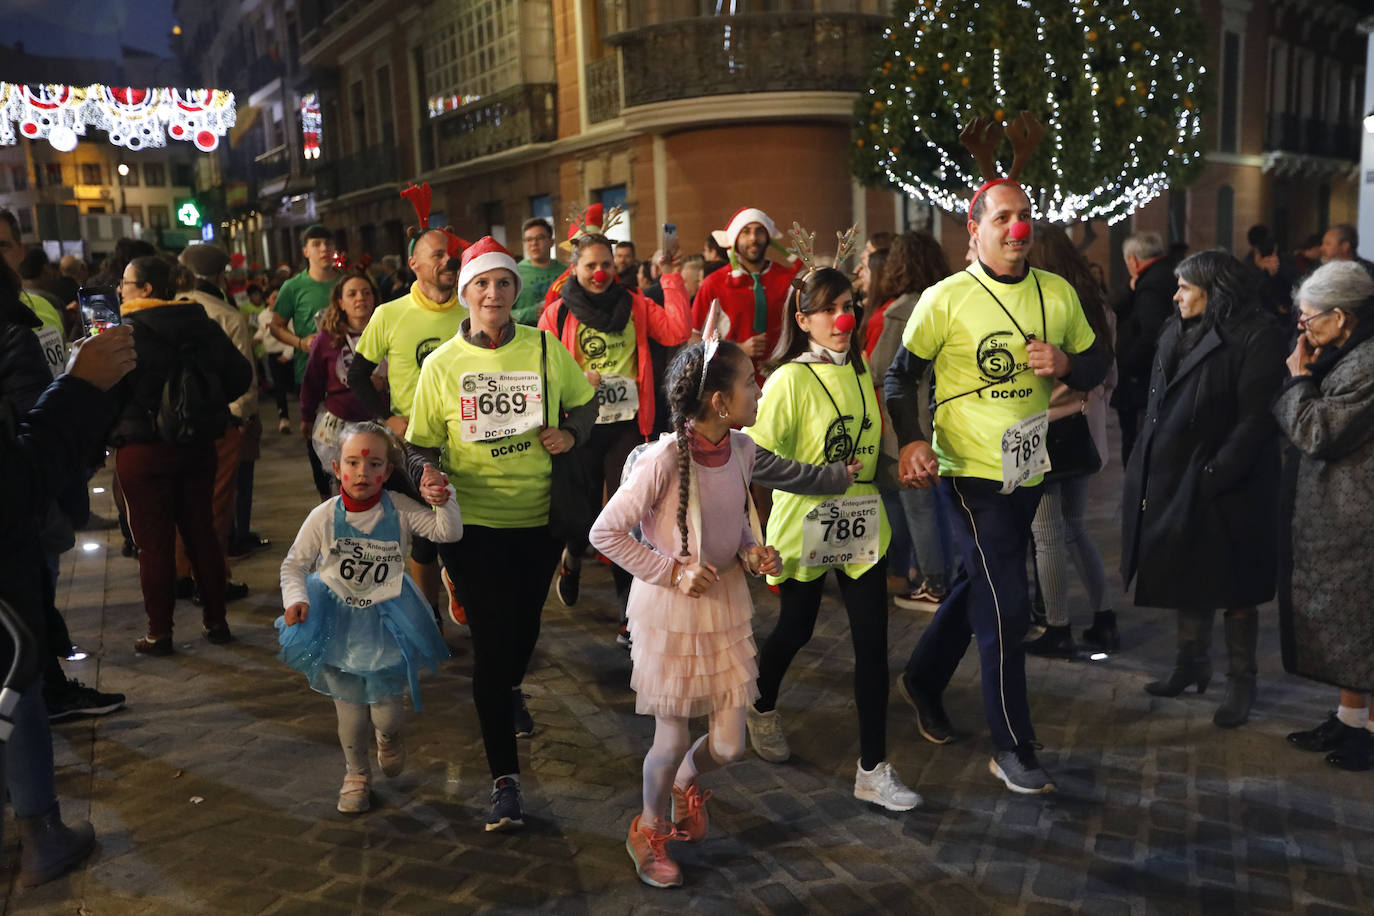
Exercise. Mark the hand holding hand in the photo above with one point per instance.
(853, 468)
(104, 359)
(763, 561)
(696, 579)
(433, 486)
(556, 441)
(296, 613)
(917, 465)
(1047, 359)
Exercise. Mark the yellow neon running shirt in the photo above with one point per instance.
(404, 332)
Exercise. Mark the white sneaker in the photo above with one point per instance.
(355, 796)
(766, 735)
(881, 786)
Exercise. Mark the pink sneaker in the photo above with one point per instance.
(355, 795)
(648, 847)
(689, 812)
(391, 753)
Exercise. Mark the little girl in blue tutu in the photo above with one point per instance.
(357, 626)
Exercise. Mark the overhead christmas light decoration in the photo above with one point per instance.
(1115, 82)
(134, 118)
(311, 124)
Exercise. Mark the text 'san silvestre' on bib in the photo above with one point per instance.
(1024, 453)
(494, 405)
(841, 530)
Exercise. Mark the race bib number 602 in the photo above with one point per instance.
(494, 405)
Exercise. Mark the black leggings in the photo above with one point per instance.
(502, 578)
(605, 451)
(865, 600)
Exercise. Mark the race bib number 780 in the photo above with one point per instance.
(494, 405)
(1024, 453)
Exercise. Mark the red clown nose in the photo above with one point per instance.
(600, 277)
(844, 322)
(1020, 231)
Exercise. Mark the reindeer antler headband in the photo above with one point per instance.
(805, 250)
(421, 197)
(980, 137)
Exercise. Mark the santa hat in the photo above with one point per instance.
(726, 238)
(483, 255)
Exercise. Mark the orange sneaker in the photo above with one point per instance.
(648, 847)
(456, 612)
(689, 812)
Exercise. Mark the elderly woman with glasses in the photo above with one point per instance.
(1326, 410)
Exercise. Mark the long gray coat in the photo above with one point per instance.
(1327, 574)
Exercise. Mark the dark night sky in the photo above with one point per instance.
(87, 28)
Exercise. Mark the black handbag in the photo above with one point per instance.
(1071, 449)
(574, 497)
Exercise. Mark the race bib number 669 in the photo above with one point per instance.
(494, 405)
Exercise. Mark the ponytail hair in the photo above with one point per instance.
(689, 396)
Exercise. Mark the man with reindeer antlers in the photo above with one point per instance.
(402, 333)
(999, 333)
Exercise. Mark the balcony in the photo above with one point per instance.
(1290, 133)
(509, 119)
(603, 89)
(756, 52)
(377, 166)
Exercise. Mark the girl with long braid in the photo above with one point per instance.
(690, 610)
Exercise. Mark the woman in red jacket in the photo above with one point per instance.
(607, 328)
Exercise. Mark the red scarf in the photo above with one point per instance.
(355, 505)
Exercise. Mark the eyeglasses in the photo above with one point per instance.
(1304, 321)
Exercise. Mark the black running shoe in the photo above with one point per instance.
(506, 812)
(931, 720)
(71, 699)
(568, 585)
(1328, 736)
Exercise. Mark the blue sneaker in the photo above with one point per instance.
(505, 805)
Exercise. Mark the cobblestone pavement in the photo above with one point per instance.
(213, 792)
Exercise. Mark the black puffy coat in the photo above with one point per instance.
(158, 327)
(1200, 508)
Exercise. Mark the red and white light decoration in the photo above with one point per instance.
(133, 117)
(311, 124)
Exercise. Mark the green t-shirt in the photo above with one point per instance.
(501, 482)
(978, 347)
(404, 332)
(797, 420)
(299, 301)
(534, 283)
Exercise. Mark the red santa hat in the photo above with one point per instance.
(483, 255)
(589, 224)
(742, 218)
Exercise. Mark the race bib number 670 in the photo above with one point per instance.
(494, 405)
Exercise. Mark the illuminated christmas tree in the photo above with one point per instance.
(1116, 83)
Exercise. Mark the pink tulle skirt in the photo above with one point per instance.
(693, 656)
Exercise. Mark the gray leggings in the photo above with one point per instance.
(1061, 539)
(356, 723)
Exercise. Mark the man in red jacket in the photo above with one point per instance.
(752, 292)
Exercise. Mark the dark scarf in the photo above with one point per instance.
(205, 286)
(1330, 356)
(607, 311)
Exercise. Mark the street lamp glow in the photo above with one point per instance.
(123, 169)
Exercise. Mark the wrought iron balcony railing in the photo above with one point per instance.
(511, 118)
(755, 52)
(603, 89)
(1289, 133)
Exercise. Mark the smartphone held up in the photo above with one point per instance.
(99, 309)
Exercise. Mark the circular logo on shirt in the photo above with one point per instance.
(839, 445)
(424, 348)
(592, 343)
(995, 361)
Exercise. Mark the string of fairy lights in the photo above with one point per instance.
(1114, 82)
(132, 117)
